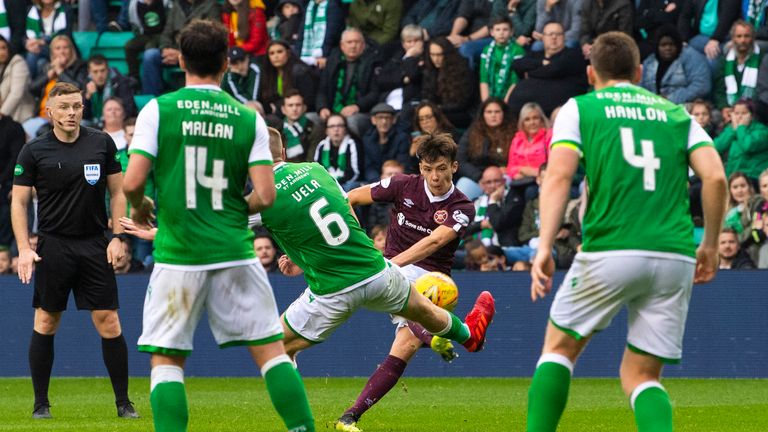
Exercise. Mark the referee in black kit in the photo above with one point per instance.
(71, 167)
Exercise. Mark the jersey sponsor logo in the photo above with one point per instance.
(460, 217)
(408, 202)
(92, 173)
(402, 221)
(18, 170)
(440, 216)
(385, 182)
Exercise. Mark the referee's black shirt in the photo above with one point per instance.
(70, 179)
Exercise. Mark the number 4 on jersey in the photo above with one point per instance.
(647, 160)
(195, 162)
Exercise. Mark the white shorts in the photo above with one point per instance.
(315, 318)
(239, 300)
(655, 287)
(411, 272)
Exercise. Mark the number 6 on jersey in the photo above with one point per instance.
(647, 160)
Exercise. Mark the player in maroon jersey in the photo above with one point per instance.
(429, 217)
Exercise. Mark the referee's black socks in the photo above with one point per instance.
(115, 353)
(40, 365)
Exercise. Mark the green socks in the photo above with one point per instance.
(653, 411)
(455, 330)
(286, 389)
(169, 399)
(549, 392)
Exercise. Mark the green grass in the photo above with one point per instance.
(415, 405)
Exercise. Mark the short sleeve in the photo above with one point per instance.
(389, 189)
(25, 171)
(260, 154)
(112, 164)
(566, 131)
(697, 137)
(461, 214)
(145, 135)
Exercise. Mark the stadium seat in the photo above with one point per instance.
(112, 45)
(141, 100)
(85, 41)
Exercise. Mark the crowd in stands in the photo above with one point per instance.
(351, 83)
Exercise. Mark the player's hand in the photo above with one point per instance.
(541, 274)
(288, 267)
(27, 260)
(144, 232)
(115, 251)
(142, 215)
(706, 264)
(444, 347)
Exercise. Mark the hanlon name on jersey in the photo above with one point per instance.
(208, 130)
(635, 113)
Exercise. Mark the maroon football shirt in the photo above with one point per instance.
(416, 212)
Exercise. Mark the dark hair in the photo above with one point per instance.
(97, 59)
(203, 46)
(270, 74)
(291, 93)
(502, 19)
(615, 56)
(747, 103)
(8, 45)
(130, 121)
(499, 138)
(243, 12)
(729, 230)
(377, 229)
(443, 124)
(453, 82)
(63, 88)
(432, 147)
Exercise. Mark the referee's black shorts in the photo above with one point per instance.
(78, 264)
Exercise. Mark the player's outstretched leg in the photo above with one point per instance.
(478, 320)
(383, 379)
(168, 398)
(548, 393)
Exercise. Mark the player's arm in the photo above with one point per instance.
(706, 163)
(426, 246)
(263, 195)
(21, 196)
(139, 166)
(360, 196)
(563, 162)
(142, 154)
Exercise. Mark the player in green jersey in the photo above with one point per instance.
(638, 245)
(314, 224)
(203, 145)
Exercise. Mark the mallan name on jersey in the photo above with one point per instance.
(208, 130)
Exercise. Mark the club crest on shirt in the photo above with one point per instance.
(92, 173)
(440, 216)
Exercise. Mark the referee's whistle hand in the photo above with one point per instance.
(27, 260)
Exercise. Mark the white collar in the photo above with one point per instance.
(434, 199)
(203, 87)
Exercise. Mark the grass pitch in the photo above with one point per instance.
(415, 405)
